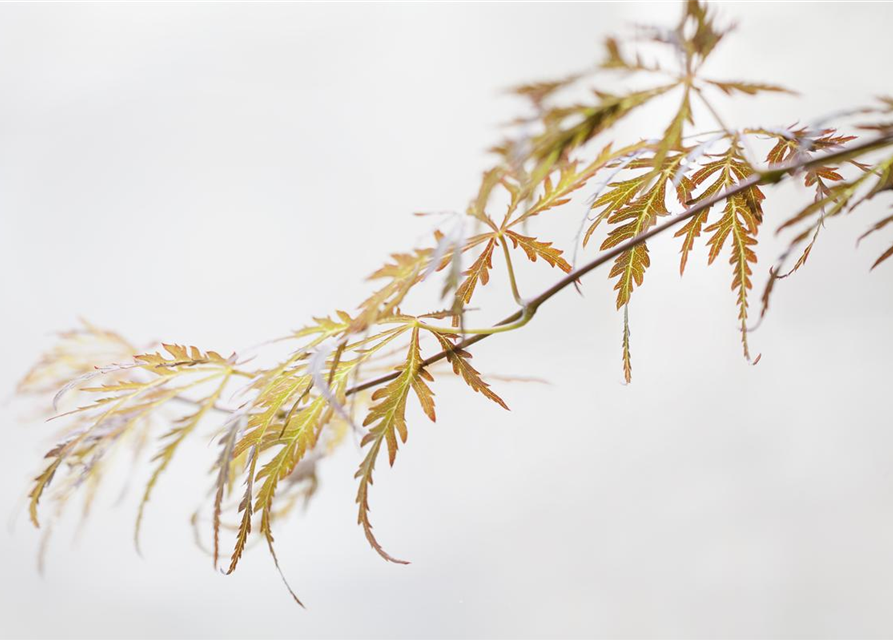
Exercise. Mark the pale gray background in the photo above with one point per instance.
(185, 172)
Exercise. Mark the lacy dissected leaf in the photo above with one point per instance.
(727, 170)
(179, 357)
(615, 59)
(821, 178)
(299, 435)
(459, 358)
(557, 141)
(246, 508)
(739, 224)
(617, 197)
(748, 88)
(627, 355)
(225, 477)
(183, 427)
(539, 92)
(838, 198)
(569, 180)
(44, 478)
(286, 417)
(534, 249)
(877, 226)
(122, 407)
(74, 354)
(884, 256)
(279, 387)
(325, 328)
(388, 422)
(800, 143)
(689, 232)
(672, 138)
(478, 207)
(884, 172)
(402, 274)
(632, 207)
(698, 21)
(296, 438)
(478, 272)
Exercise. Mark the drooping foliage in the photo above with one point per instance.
(370, 369)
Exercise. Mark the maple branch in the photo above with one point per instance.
(547, 146)
(529, 308)
(523, 315)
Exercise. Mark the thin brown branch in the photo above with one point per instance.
(770, 176)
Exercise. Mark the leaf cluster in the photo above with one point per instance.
(365, 369)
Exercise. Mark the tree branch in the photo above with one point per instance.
(770, 176)
(529, 308)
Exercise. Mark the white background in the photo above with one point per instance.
(216, 174)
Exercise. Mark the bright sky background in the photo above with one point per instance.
(217, 174)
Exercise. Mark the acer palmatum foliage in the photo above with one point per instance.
(360, 369)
